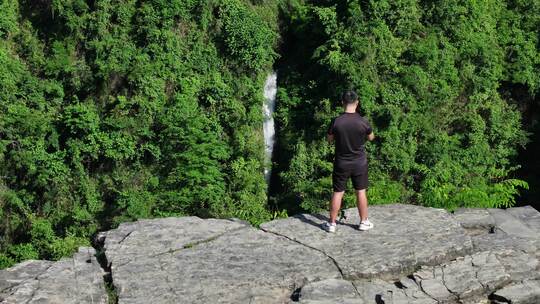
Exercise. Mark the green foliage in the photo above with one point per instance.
(122, 110)
(246, 37)
(6, 261)
(9, 14)
(429, 76)
(23, 252)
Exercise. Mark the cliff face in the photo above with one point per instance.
(413, 255)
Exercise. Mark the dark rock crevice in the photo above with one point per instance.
(295, 296)
(498, 299)
(125, 237)
(101, 257)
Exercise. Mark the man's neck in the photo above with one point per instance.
(350, 109)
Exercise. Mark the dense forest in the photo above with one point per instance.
(118, 110)
(443, 83)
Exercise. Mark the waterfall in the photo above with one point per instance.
(270, 89)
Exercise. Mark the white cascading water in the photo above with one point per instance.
(270, 89)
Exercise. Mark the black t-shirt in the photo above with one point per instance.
(350, 132)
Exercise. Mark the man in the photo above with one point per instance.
(349, 131)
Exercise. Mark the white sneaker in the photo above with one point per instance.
(365, 225)
(329, 227)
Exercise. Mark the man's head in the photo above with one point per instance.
(349, 98)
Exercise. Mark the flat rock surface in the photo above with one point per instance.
(477, 220)
(525, 292)
(330, 290)
(507, 222)
(150, 237)
(412, 255)
(70, 280)
(424, 236)
(245, 265)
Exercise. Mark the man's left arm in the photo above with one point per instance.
(369, 132)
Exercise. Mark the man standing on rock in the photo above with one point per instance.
(349, 132)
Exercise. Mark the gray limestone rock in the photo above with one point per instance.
(333, 291)
(511, 225)
(413, 255)
(150, 237)
(380, 291)
(459, 277)
(413, 292)
(330, 291)
(527, 215)
(518, 264)
(404, 237)
(467, 279)
(432, 284)
(490, 270)
(475, 220)
(244, 265)
(503, 241)
(69, 280)
(24, 271)
(525, 292)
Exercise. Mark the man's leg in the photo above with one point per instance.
(360, 183)
(339, 179)
(335, 204)
(361, 200)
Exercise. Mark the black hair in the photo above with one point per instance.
(349, 97)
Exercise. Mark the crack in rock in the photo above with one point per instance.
(101, 257)
(186, 246)
(476, 270)
(125, 237)
(33, 292)
(318, 250)
(455, 294)
(196, 243)
(310, 247)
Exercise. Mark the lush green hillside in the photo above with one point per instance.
(117, 110)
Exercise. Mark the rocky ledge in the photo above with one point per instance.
(413, 255)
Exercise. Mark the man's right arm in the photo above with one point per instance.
(371, 136)
(330, 132)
